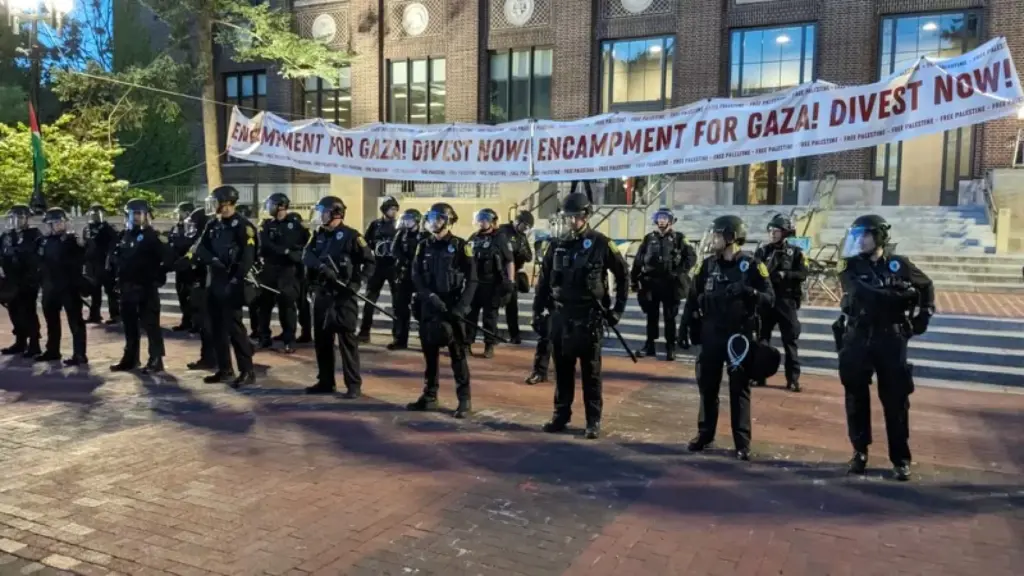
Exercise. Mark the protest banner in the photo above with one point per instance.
(816, 118)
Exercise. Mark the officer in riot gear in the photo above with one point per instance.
(281, 248)
(245, 211)
(661, 279)
(228, 248)
(100, 238)
(573, 288)
(304, 308)
(62, 256)
(886, 301)
(444, 274)
(340, 261)
(181, 243)
(192, 268)
(380, 235)
(143, 258)
(518, 233)
(787, 270)
(730, 288)
(404, 250)
(495, 270)
(19, 281)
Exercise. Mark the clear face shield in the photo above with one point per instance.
(718, 243)
(776, 235)
(858, 241)
(95, 216)
(663, 221)
(408, 222)
(57, 227)
(483, 221)
(211, 205)
(391, 213)
(136, 219)
(271, 208)
(190, 228)
(522, 227)
(574, 222)
(182, 216)
(436, 222)
(17, 221)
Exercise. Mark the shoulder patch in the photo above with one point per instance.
(468, 249)
(744, 266)
(841, 265)
(361, 241)
(613, 247)
(894, 265)
(762, 269)
(250, 231)
(805, 260)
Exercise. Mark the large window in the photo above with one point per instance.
(937, 163)
(520, 85)
(248, 91)
(636, 75)
(416, 91)
(329, 98)
(764, 60)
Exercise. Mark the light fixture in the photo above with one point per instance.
(782, 39)
(930, 27)
(654, 49)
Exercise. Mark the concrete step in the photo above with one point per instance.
(974, 278)
(980, 288)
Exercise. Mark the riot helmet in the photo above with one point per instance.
(576, 210)
(18, 216)
(411, 219)
(440, 217)
(726, 231)
(220, 197)
(485, 219)
(524, 222)
(185, 210)
(137, 214)
(277, 204)
(780, 227)
(389, 207)
(867, 234)
(56, 220)
(95, 214)
(663, 219)
(329, 209)
(196, 223)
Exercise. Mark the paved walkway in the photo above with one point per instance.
(123, 474)
(970, 303)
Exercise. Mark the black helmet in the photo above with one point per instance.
(19, 210)
(329, 208)
(667, 212)
(486, 214)
(411, 218)
(55, 215)
(221, 196)
(440, 216)
(95, 213)
(388, 203)
(782, 222)
(245, 210)
(447, 209)
(18, 215)
(732, 229)
(577, 204)
(870, 224)
(276, 201)
(196, 222)
(525, 217)
(137, 205)
(186, 208)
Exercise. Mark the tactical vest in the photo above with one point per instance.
(576, 273)
(438, 267)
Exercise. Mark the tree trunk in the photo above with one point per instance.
(211, 133)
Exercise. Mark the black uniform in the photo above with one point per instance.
(787, 270)
(63, 259)
(444, 274)
(184, 276)
(143, 257)
(727, 295)
(197, 272)
(542, 354)
(877, 299)
(522, 254)
(573, 287)
(302, 303)
(281, 249)
(337, 256)
(228, 247)
(660, 277)
(100, 238)
(20, 263)
(492, 251)
(380, 235)
(404, 250)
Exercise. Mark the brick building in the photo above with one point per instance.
(435, 61)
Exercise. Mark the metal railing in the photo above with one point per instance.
(300, 194)
(402, 190)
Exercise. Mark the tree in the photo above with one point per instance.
(80, 171)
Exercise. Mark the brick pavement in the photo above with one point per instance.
(122, 474)
(972, 303)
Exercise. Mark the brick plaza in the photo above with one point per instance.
(126, 474)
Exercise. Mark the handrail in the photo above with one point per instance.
(990, 202)
(661, 183)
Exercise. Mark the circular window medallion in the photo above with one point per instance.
(324, 28)
(636, 6)
(415, 19)
(518, 12)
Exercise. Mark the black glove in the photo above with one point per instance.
(738, 289)
(613, 317)
(328, 272)
(437, 302)
(461, 311)
(216, 263)
(540, 320)
(683, 338)
(919, 323)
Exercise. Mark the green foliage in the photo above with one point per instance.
(80, 173)
(156, 150)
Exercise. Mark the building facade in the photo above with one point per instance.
(438, 61)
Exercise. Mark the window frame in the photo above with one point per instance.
(429, 60)
(321, 91)
(247, 104)
(532, 55)
(605, 97)
(813, 26)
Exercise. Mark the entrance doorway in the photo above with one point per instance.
(768, 183)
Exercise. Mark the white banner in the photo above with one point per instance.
(818, 118)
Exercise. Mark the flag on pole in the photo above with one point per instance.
(38, 161)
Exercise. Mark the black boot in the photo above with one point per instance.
(535, 378)
(699, 443)
(901, 472)
(266, 344)
(352, 394)
(33, 349)
(464, 409)
(670, 353)
(858, 464)
(219, 377)
(556, 425)
(515, 339)
(288, 349)
(18, 347)
(94, 319)
(648, 351)
(113, 321)
(321, 388)
(488, 350)
(125, 365)
(793, 386)
(396, 345)
(364, 337)
(742, 454)
(76, 360)
(202, 364)
(47, 356)
(422, 404)
(593, 431)
(304, 338)
(154, 366)
(247, 378)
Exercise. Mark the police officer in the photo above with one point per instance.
(404, 250)
(661, 279)
(518, 233)
(341, 261)
(100, 238)
(444, 274)
(62, 256)
(143, 257)
(305, 323)
(380, 235)
(886, 301)
(184, 284)
(787, 270)
(228, 247)
(19, 263)
(193, 269)
(495, 269)
(730, 288)
(573, 287)
(245, 211)
(281, 249)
